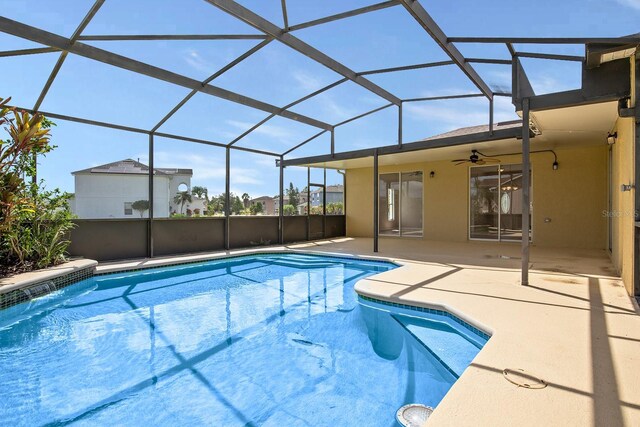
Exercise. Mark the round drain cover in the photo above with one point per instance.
(522, 379)
(413, 415)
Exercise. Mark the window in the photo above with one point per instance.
(128, 208)
(495, 203)
(400, 204)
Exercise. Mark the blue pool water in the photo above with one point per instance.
(269, 340)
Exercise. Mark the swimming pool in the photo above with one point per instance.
(270, 339)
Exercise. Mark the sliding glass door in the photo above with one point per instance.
(495, 203)
(400, 204)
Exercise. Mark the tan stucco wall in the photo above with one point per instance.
(574, 197)
(623, 202)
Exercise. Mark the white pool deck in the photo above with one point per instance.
(574, 326)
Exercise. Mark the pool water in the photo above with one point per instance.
(264, 340)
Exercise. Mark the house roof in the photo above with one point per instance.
(470, 130)
(261, 198)
(337, 188)
(132, 167)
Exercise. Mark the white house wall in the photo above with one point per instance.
(104, 195)
(174, 183)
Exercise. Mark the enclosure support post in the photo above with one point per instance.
(491, 117)
(324, 204)
(635, 66)
(227, 198)
(150, 220)
(400, 125)
(281, 205)
(526, 200)
(344, 194)
(308, 203)
(375, 200)
(333, 141)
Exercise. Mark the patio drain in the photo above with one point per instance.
(522, 379)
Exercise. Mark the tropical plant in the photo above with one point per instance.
(335, 208)
(236, 205)
(34, 223)
(200, 192)
(316, 210)
(141, 206)
(245, 199)
(256, 208)
(216, 205)
(28, 137)
(181, 198)
(289, 210)
(294, 195)
(40, 237)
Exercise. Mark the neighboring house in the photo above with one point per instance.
(268, 206)
(109, 190)
(335, 194)
(276, 203)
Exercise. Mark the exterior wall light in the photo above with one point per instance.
(611, 138)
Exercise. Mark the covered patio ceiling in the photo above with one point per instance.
(578, 126)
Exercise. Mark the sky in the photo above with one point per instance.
(279, 75)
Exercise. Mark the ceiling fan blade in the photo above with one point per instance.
(460, 162)
(491, 160)
(480, 162)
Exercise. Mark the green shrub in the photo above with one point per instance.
(34, 223)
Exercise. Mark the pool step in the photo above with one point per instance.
(447, 344)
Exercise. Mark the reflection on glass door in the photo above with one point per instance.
(389, 204)
(400, 204)
(484, 196)
(411, 204)
(495, 205)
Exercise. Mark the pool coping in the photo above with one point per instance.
(23, 280)
(16, 289)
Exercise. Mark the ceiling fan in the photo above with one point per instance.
(476, 159)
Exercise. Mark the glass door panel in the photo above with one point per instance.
(511, 203)
(484, 203)
(389, 204)
(495, 210)
(411, 204)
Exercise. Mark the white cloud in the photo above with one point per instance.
(334, 110)
(635, 4)
(209, 170)
(278, 133)
(195, 60)
(306, 81)
(548, 84)
(443, 116)
(446, 118)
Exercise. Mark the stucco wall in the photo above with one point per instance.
(623, 208)
(99, 196)
(572, 197)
